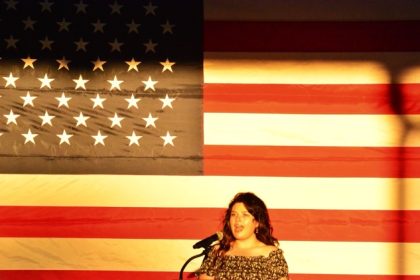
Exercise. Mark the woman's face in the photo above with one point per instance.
(242, 223)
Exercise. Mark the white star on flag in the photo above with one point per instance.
(166, 102)
(63, 100)
(168, 139)
(115, 8)
(98, 64)
(46, 119)
(81, 120)
(46, 5)
(64, 25)
(98, 101)
(167, 27)
(45, 82)
(29, 136)
(167, 65)
(116, 121)
(115, 46)
(134, 139)
(132, 65)
(99, 138)
(150, 9)
(81, 45)
(149, 84)
(64, 137)
(11, 4)
(98, 26)
(150, 120)
(11, 117)
(81, 7)
(150, 46)
(63, 63)
(115, 83)
(28, 99)
(46, 43)
(10, 81)
(133, 26)
(29, 62)
(132, 102)
(80, 83)
(11, 42)
(29, 24)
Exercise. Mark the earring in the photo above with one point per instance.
(256, 230)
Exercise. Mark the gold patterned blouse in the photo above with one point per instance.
(229, 267)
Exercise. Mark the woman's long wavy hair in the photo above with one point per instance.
(256, 207)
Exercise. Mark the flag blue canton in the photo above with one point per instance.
(101, 87)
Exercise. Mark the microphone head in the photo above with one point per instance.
(205, 243)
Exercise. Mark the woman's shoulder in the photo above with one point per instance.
(275, 249)
(214, 250)
(268, 250)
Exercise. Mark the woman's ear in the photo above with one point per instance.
(257, 225)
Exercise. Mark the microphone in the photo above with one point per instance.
(206, 242)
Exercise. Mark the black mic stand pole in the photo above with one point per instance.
(205, 252)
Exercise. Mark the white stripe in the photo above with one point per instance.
(365, 258)
(309, 130)
(205, 191)
(307, 10)
(375, 258)
(94, 254)
(311, 68)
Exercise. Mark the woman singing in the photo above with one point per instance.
(247, 251)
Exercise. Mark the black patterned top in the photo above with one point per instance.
(229, 267)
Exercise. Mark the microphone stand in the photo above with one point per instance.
(205, 252)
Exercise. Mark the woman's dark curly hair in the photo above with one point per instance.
(256, 207)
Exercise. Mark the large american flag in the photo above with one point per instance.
(311, 105)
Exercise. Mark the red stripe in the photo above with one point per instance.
(346, 225)
(311, 36)
(313, 99)
(108, 222)
(352, 277)
(384, 162)
(91, 275)
(188, 223)
(130, 275)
